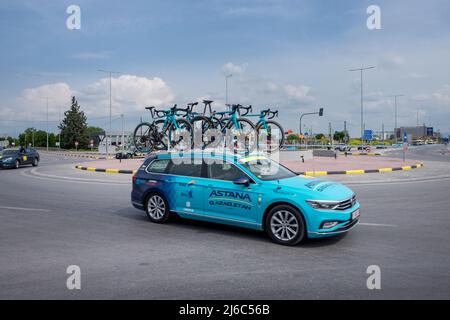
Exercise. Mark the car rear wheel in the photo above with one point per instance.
(285, 225)
(17, 164)
(35, 162)
(157, 208)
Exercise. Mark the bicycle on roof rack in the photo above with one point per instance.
(166, 131)
(270, 133)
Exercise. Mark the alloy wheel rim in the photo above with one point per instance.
(156, 207)
(284, 225)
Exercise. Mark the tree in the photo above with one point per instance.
(74, 127)
(339, 135)
(320, 136)
(293, 137)
(92, 131)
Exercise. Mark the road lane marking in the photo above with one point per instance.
(38, 175)
(378, 225)
(25, 209)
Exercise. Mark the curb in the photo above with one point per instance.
(354, 172)
(114, 171)
(81, 156)
(363, 154)
(307, 173)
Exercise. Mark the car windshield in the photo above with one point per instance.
(266, 169)
(8, 152)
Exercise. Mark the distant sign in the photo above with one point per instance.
(368, 135)
(430, 132)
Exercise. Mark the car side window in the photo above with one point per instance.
(186, 169)
(158, 166)
(224, 171)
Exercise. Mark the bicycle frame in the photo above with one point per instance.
(233, 118)
(262, 119)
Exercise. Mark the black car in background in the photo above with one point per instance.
(14, 158)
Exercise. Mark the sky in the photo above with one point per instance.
(291, 56)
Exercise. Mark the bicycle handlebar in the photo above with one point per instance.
(238, 108)
(273, 114)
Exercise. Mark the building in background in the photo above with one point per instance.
(417, 132)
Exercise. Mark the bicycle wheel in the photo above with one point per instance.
(271, 136)
(201, 126)
(141, 137)
(180, 138)
(243, 137)
(160, 137)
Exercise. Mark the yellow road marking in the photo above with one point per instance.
(355, 172)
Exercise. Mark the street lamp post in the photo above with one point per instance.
(110, 105)
(226, 87)
(362, 100)
(46, 99)
(395, 96)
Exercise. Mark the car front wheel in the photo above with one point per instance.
(35, 162)
(285, 225)
(157, 208)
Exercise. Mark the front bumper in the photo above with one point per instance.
(346, 222)
(6, 165)
(342, 228)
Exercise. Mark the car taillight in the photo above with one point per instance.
(134, 179)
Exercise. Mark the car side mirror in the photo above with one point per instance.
(242, 182)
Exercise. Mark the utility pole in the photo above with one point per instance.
(123, 134)
(59, 140)
(330, 131)
(382, 132)
(47, 125)
(46, 99)
(110, 73)
(32, 131)
(226, 88)
(395, 96)
(362, 99)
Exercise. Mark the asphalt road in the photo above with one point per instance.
(53, 217)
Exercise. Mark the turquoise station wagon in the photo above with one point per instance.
(250, 191)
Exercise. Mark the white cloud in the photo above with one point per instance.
(91, 55)
(391, 61)
(129, 93)
(301, 94)
(230, 68)
(33, 100)
(415, 75)
(440, 97)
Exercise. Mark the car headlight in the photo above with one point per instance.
(323, 205)
(8, 159)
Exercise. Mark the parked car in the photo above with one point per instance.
(14, 158)
(249, 191)
(342, 147)
(364, 148)
(125, 154)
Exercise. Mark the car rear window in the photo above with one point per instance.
(224, 171)
(158, 166)
(186, 169)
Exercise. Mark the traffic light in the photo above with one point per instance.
(321, 112)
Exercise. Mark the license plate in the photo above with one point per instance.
(356, 214)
